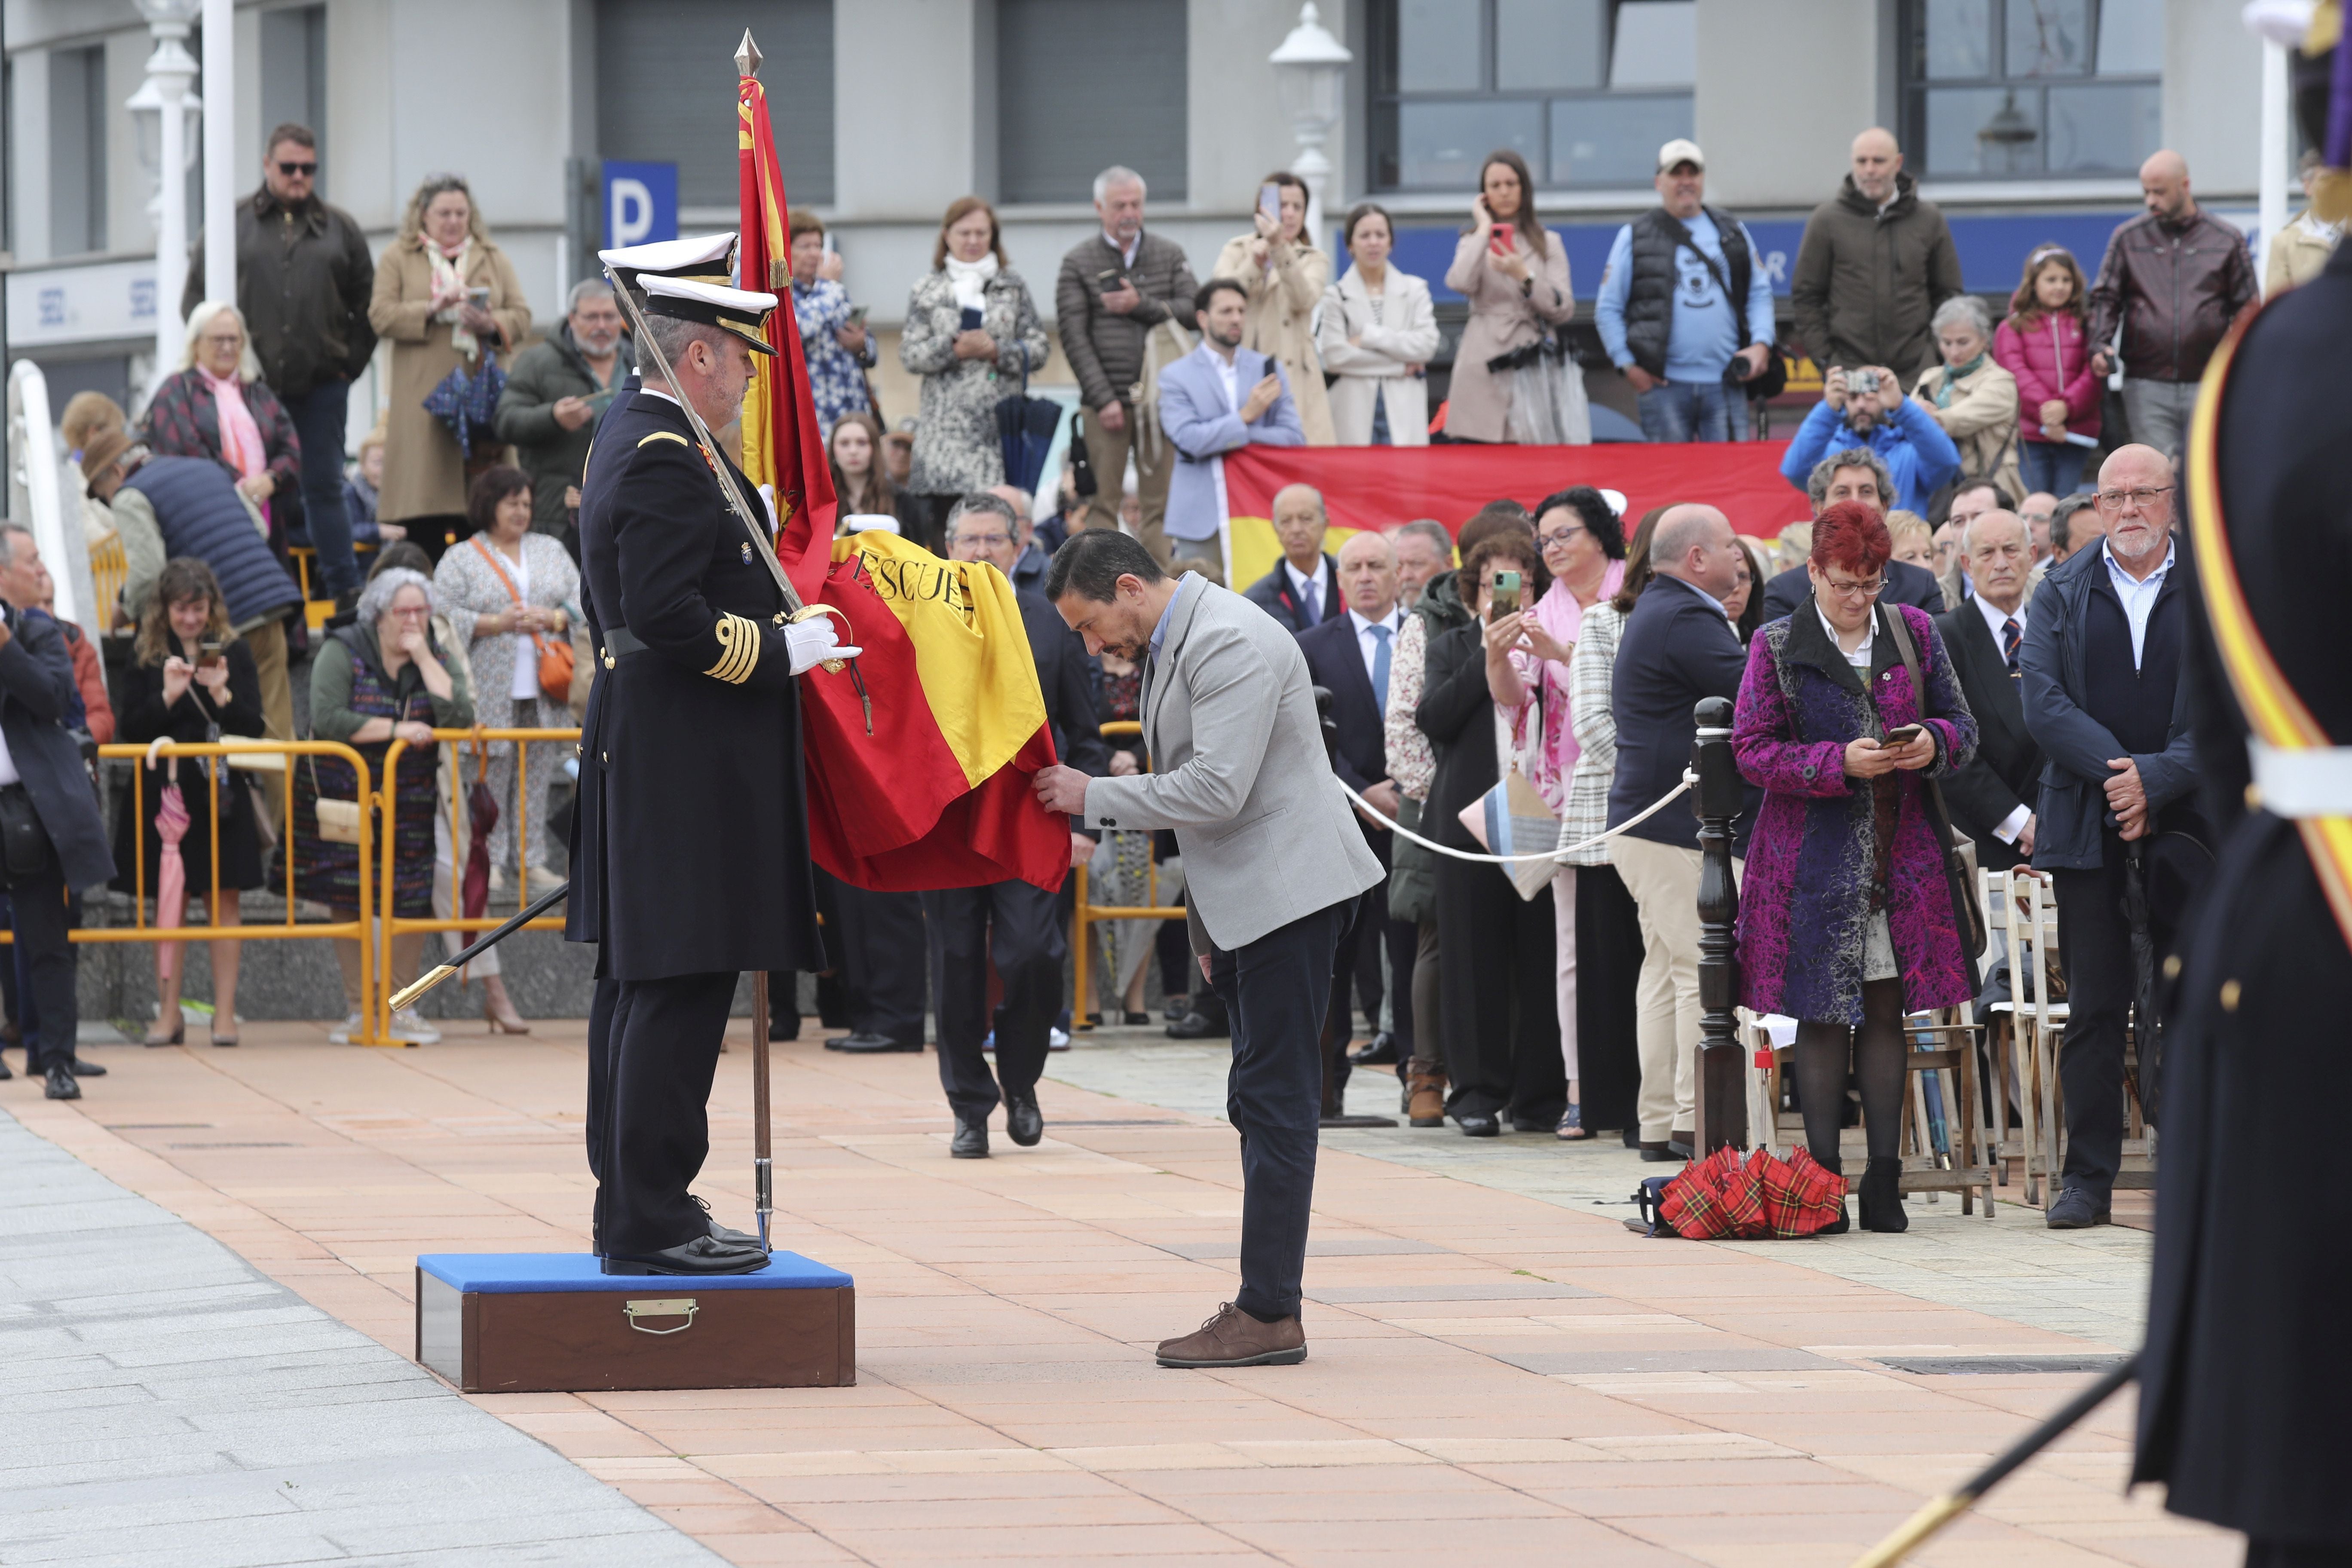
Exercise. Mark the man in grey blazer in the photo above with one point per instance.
(1273, 862)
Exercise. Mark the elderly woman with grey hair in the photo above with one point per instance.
(380, 679)
(1972, 397)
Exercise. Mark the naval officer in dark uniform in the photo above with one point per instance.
(689, 855)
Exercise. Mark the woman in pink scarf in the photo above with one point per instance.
(1583, 545)
(216, 405)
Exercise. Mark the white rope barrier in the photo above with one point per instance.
(1560, 855)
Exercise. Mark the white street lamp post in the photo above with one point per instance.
(165, 94)
(220, 146)
(1308, 70)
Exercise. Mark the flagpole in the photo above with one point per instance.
(763, 1164)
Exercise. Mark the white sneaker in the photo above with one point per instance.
(343, 1037)
(409, 1027)
(1057, 1039)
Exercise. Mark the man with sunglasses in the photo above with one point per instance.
(304, 274)
(2099, 670)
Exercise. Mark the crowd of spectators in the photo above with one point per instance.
(1972, 434)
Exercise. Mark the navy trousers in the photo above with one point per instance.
(1274, 991)
(318, 416)
(653, 1050)
(1018, 929)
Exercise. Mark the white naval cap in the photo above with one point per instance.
(870, 523)
(737, 310)
(704, 257)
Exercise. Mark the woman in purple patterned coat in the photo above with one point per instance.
(1846, 918)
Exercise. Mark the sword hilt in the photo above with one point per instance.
(763, 1196)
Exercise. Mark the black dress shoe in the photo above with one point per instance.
(87, 1069)
(1679, 1149)
(1881, 1196)
(2073, 1209)
(1179, 1005)
(703, 1255)
(1380, 1052)
(1658, 1154)
(874, 1045)
(1023, 1121)
(970, 1141)
(1197, 1027)
(1478, 1124)
(61, 1083)
(723, 1233)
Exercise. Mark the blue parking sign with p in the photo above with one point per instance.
(640, 203)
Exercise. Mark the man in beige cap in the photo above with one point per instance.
(1686, 310)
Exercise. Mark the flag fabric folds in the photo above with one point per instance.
(937, 793)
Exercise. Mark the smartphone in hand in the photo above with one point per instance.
(1504, 600)
(1895, 739)
(209, 652)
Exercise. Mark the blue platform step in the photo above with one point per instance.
(515, 1322)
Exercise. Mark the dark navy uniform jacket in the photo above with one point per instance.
(690, 850)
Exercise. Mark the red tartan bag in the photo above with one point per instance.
(1722, 1197)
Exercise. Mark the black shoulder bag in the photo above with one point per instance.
(1959, 872)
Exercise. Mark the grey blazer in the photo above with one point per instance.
(1229, 719)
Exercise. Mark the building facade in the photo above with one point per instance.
(2026, 120)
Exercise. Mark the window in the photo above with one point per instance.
(667, 95)
(1585, 90)
(2025, 88)
(77, 151)
(294, 75)
(1084, 84)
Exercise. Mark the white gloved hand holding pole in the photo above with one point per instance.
(814, 642)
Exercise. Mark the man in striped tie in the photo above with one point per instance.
(1348, 656)
(1992, 797)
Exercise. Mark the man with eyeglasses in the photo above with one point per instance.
(2100, 665)
(304, 274)
(1991, 798)
(1011, 924)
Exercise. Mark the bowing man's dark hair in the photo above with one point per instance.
(1211, 289)
(1091, 562)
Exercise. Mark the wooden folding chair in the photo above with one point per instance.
(2036, 1027)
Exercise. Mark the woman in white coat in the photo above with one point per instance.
(1379, 331)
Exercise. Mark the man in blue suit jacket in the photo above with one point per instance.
(1217, 399)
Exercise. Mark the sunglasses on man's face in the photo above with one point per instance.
(291, 170)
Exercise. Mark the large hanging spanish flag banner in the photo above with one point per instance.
(934, 792)
(1379, 486)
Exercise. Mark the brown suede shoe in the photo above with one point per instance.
(1234, 1337)
(1424, 1085)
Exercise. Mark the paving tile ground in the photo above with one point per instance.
(1498, 1364)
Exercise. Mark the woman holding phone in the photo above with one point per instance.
(446, 296)
(971, 333)
(1514, 272)
(1835, 729)
(191, 680)
(1283, 277)
(1498, 976)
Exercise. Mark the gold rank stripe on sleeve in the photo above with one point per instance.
(2273, 710)
(665, 436)
(739, 643)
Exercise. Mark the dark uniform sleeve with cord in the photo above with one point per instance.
(665, 554)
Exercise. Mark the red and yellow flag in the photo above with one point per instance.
(937, 793)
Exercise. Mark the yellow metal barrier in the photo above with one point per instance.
(108, 567)
(380, 1003)
(141, 930)
(1087, 914)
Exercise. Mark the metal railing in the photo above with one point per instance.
(1086, 913)
(206, 786)
(378, 1004)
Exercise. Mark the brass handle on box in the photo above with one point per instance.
(674, 1307)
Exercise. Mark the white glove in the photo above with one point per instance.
(813, 641)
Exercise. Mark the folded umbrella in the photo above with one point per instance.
(1025, 427)
(171, 873)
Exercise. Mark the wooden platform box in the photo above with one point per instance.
(543, 1322)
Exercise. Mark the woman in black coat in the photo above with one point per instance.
(1508, 961)
(171, 691)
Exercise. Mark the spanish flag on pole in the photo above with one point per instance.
(937, 793)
